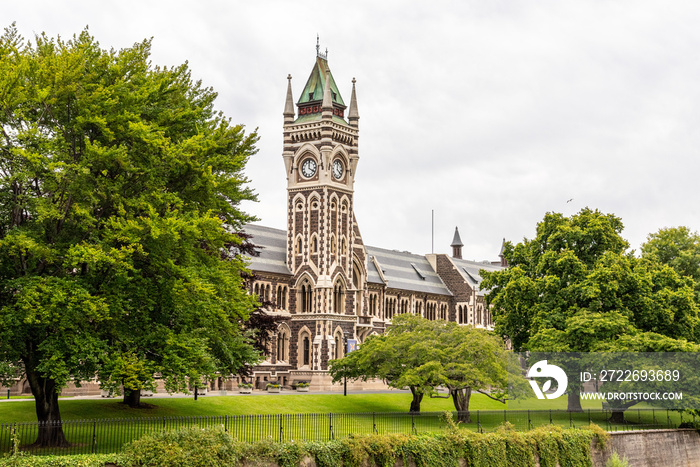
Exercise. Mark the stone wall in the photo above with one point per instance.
(654, 448)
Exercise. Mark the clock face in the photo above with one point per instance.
(308, 168)
(337, 169)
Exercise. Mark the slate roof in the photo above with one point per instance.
(407, 271)
(402, 270)
(470, 271)
(273, 256)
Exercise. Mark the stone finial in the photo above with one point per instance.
(289, 103)
(353, 115)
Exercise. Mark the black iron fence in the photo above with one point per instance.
(108, 436)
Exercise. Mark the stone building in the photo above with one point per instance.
(329, 289)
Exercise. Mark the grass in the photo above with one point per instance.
(289, 403)
(237, 405)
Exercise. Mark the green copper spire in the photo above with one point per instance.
(311, 99)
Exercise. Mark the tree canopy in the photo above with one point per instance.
(678, 248)
(575, 288)
(424, 355)
(120, 188)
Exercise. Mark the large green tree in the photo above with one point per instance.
(678, 248)
(120, 188)
(575, 288)
(424, 355)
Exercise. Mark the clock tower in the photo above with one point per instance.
(325, 253)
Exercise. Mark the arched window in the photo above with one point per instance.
(338, 298)
(306, 297)
(283, 344)
(314, 244)
(298, 246)
(306, 350)
(339, 345)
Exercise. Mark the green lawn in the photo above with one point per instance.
(72, 409)
(77, 409)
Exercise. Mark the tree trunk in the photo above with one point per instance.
(45, 393)
(461, 397)
(132, 398)
(417, 398)
(617, 416)
(574, 403)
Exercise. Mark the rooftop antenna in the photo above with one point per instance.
(318, 49)
(432, 231)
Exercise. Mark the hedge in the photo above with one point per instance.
(203, 448)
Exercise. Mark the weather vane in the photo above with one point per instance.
(318, 49)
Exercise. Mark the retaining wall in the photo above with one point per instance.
(653, 448)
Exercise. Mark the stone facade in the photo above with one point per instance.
(331, 289)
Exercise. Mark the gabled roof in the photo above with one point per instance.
(313, 91)
(470, 271)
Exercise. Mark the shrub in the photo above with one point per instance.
(194, 447)
(81, 460)
(198, 447)
(615, 461)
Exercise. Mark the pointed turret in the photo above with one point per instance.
(504, 261)
(320, 93)
(457, 245)
(353, 115)
(289, 104)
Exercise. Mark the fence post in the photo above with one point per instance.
(413, 423)
(529, 421)
(331, 436)
(374, 424)
(281, 429)
(550, 417)
(94, 436)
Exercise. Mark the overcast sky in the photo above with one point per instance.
(491, 113)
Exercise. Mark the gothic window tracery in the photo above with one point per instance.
(306, 293)
(283, 344)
